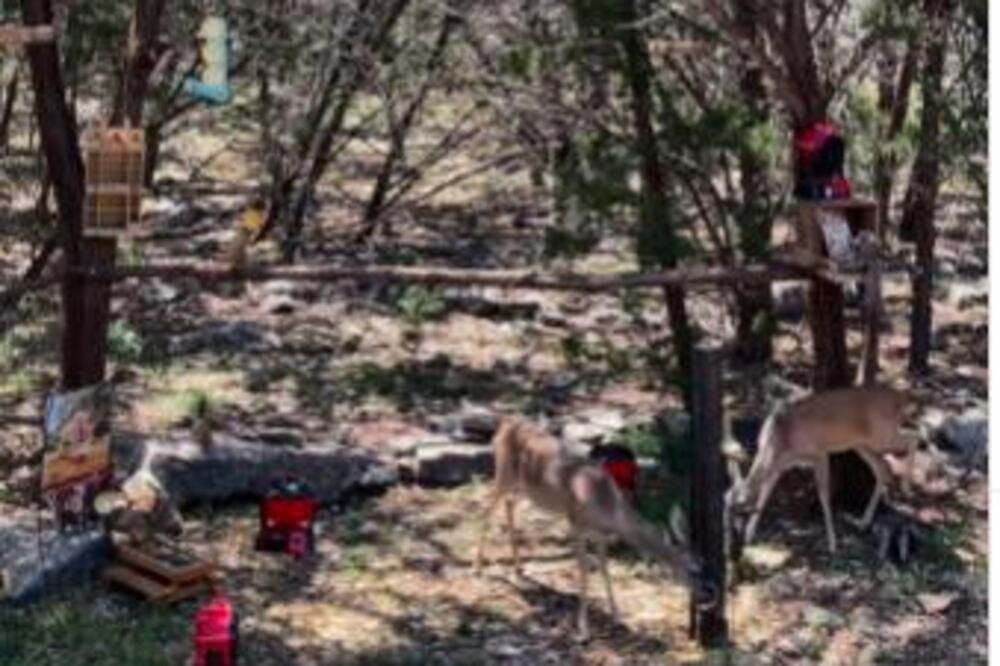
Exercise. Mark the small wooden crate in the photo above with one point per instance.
(861, 215)
(115, 164)
(161, 573)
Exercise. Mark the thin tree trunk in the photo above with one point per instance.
(85, 302)
(654, 203)
(139, 62)
(9, 99)
(754, 304)
(399, 133)
(921, 197)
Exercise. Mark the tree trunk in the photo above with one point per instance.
(85, 302)
(654, 204)
(140, 60)
(921, 196)
(754, 304)
(9, 99)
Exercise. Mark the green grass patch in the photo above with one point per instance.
(68, 632)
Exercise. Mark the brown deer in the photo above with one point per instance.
(804, 433)
(532, 463)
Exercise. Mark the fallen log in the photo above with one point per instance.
(180, 472)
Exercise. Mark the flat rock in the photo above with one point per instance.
(937, 603)
(765, 558)
(36, 559)
(966, 434)
(451, 464)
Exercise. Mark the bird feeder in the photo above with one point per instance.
(829, 228)
(212, 83)
(286, 519)
(115, 167)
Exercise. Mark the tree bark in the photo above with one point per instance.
(139, 62)
(85, 302)
(654, 203)
(9, 99)
(925, 180)
(754, 304)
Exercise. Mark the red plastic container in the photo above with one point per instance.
(216, 633)
(286, 523)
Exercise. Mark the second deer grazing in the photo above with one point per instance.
(532, 463)
(806, 432)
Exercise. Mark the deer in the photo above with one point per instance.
(534, 464)
(804, 433)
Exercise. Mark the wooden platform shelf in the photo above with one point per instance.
(162, 573)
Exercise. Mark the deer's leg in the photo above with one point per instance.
(821, 470)
(484, 530)
(765, 494)
(509, 509)
(581, 560)
(882, 474)
(602, 553)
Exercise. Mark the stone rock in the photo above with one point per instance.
(279, 304)
(765, 558)
(451, 465)
(821, 618)
(936, 603)
(594, 426)
(158, 291)
(967, 435)
(35, 560)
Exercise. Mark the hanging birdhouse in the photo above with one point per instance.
(115, 159)
(212, 83)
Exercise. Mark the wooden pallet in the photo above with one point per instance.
(161, 573)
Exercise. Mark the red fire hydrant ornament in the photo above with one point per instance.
(216, 633)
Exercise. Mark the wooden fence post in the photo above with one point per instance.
(708, 486)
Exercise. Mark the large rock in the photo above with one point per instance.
(35, 558)
(183, 472)
(967, 435)
(451, 464)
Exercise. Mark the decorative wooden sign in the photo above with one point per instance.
(76, 464)
(19, 35)
(115, 163)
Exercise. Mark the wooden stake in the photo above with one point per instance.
(708, 486)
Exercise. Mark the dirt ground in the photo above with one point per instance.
(392, 582)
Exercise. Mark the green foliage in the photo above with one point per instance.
(591, 186)
(194, 404)
(418, 304)
(125, 344)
